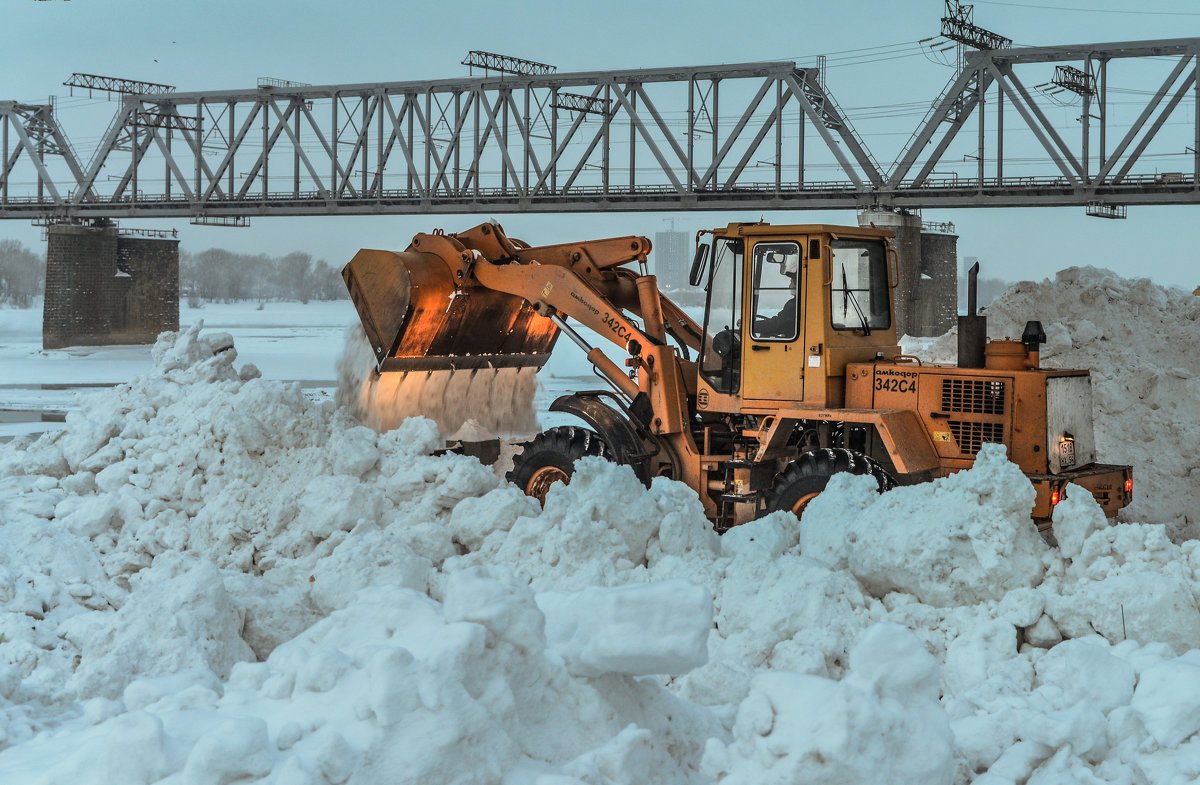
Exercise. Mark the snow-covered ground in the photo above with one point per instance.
(210, 575)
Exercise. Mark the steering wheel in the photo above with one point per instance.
(728, 345)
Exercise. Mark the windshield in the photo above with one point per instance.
(720, 356)
(860, 295)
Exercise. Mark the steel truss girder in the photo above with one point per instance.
(32, 130)
(559, 142)
(454, 139)
(1078, 163)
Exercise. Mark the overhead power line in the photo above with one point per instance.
(1089, 9)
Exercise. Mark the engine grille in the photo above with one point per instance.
(972, 435)
(973, 396)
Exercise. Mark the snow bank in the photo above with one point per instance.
(207, 578)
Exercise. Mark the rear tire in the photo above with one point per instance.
(803, 479)
(550, 458)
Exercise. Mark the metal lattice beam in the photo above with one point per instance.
(574, 102)
(958, 25)
(489, 61)
(113, 84)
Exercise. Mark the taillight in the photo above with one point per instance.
(1129, 486)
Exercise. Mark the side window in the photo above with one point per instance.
(775, 301)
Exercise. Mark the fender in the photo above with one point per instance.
(615, 427)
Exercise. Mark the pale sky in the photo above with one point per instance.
(875, 61)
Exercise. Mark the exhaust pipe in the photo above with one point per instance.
(972, 328)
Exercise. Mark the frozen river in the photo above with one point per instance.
(286, 341)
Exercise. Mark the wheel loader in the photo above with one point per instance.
(793, 375)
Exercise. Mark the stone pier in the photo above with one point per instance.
(108, 287)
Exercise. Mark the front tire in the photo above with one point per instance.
(805, 478)
(550, 459)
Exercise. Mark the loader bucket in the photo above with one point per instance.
(417, 319)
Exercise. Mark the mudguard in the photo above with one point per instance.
(614, 426)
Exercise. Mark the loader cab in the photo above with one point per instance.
(786, 308)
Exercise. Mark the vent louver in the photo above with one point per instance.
(972, 435)
(973, 396)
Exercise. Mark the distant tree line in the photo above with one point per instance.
(217, 274)
(214, 274)
(22, 274)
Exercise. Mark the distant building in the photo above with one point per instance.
(671, 256)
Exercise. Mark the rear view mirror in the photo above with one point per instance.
(696, 275)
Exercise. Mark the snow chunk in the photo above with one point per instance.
(798, 728)
(830, 516)
(1109, 682)
(637, 630)
(1167, 699)
(184, 618)
(765, 538)
(1076, 517)
(964, 539)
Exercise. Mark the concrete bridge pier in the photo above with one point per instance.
(108, 286)
(927, 292)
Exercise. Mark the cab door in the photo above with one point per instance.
(773, 359)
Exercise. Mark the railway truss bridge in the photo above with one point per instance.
(753, 136)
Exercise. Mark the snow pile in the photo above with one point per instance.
(1138, 339)
(207, 578)
(463, 691)
(971, 550)
(802, 728)
(1124, 581)
(186, 525)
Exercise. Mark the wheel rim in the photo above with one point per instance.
(542, 479)
(802, 502)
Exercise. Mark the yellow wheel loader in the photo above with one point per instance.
(794, 374)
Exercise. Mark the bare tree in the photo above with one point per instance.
(217, 274)
(22, 274)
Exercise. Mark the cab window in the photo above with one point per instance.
(860, 295)
(721, 353)
(774, 302)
